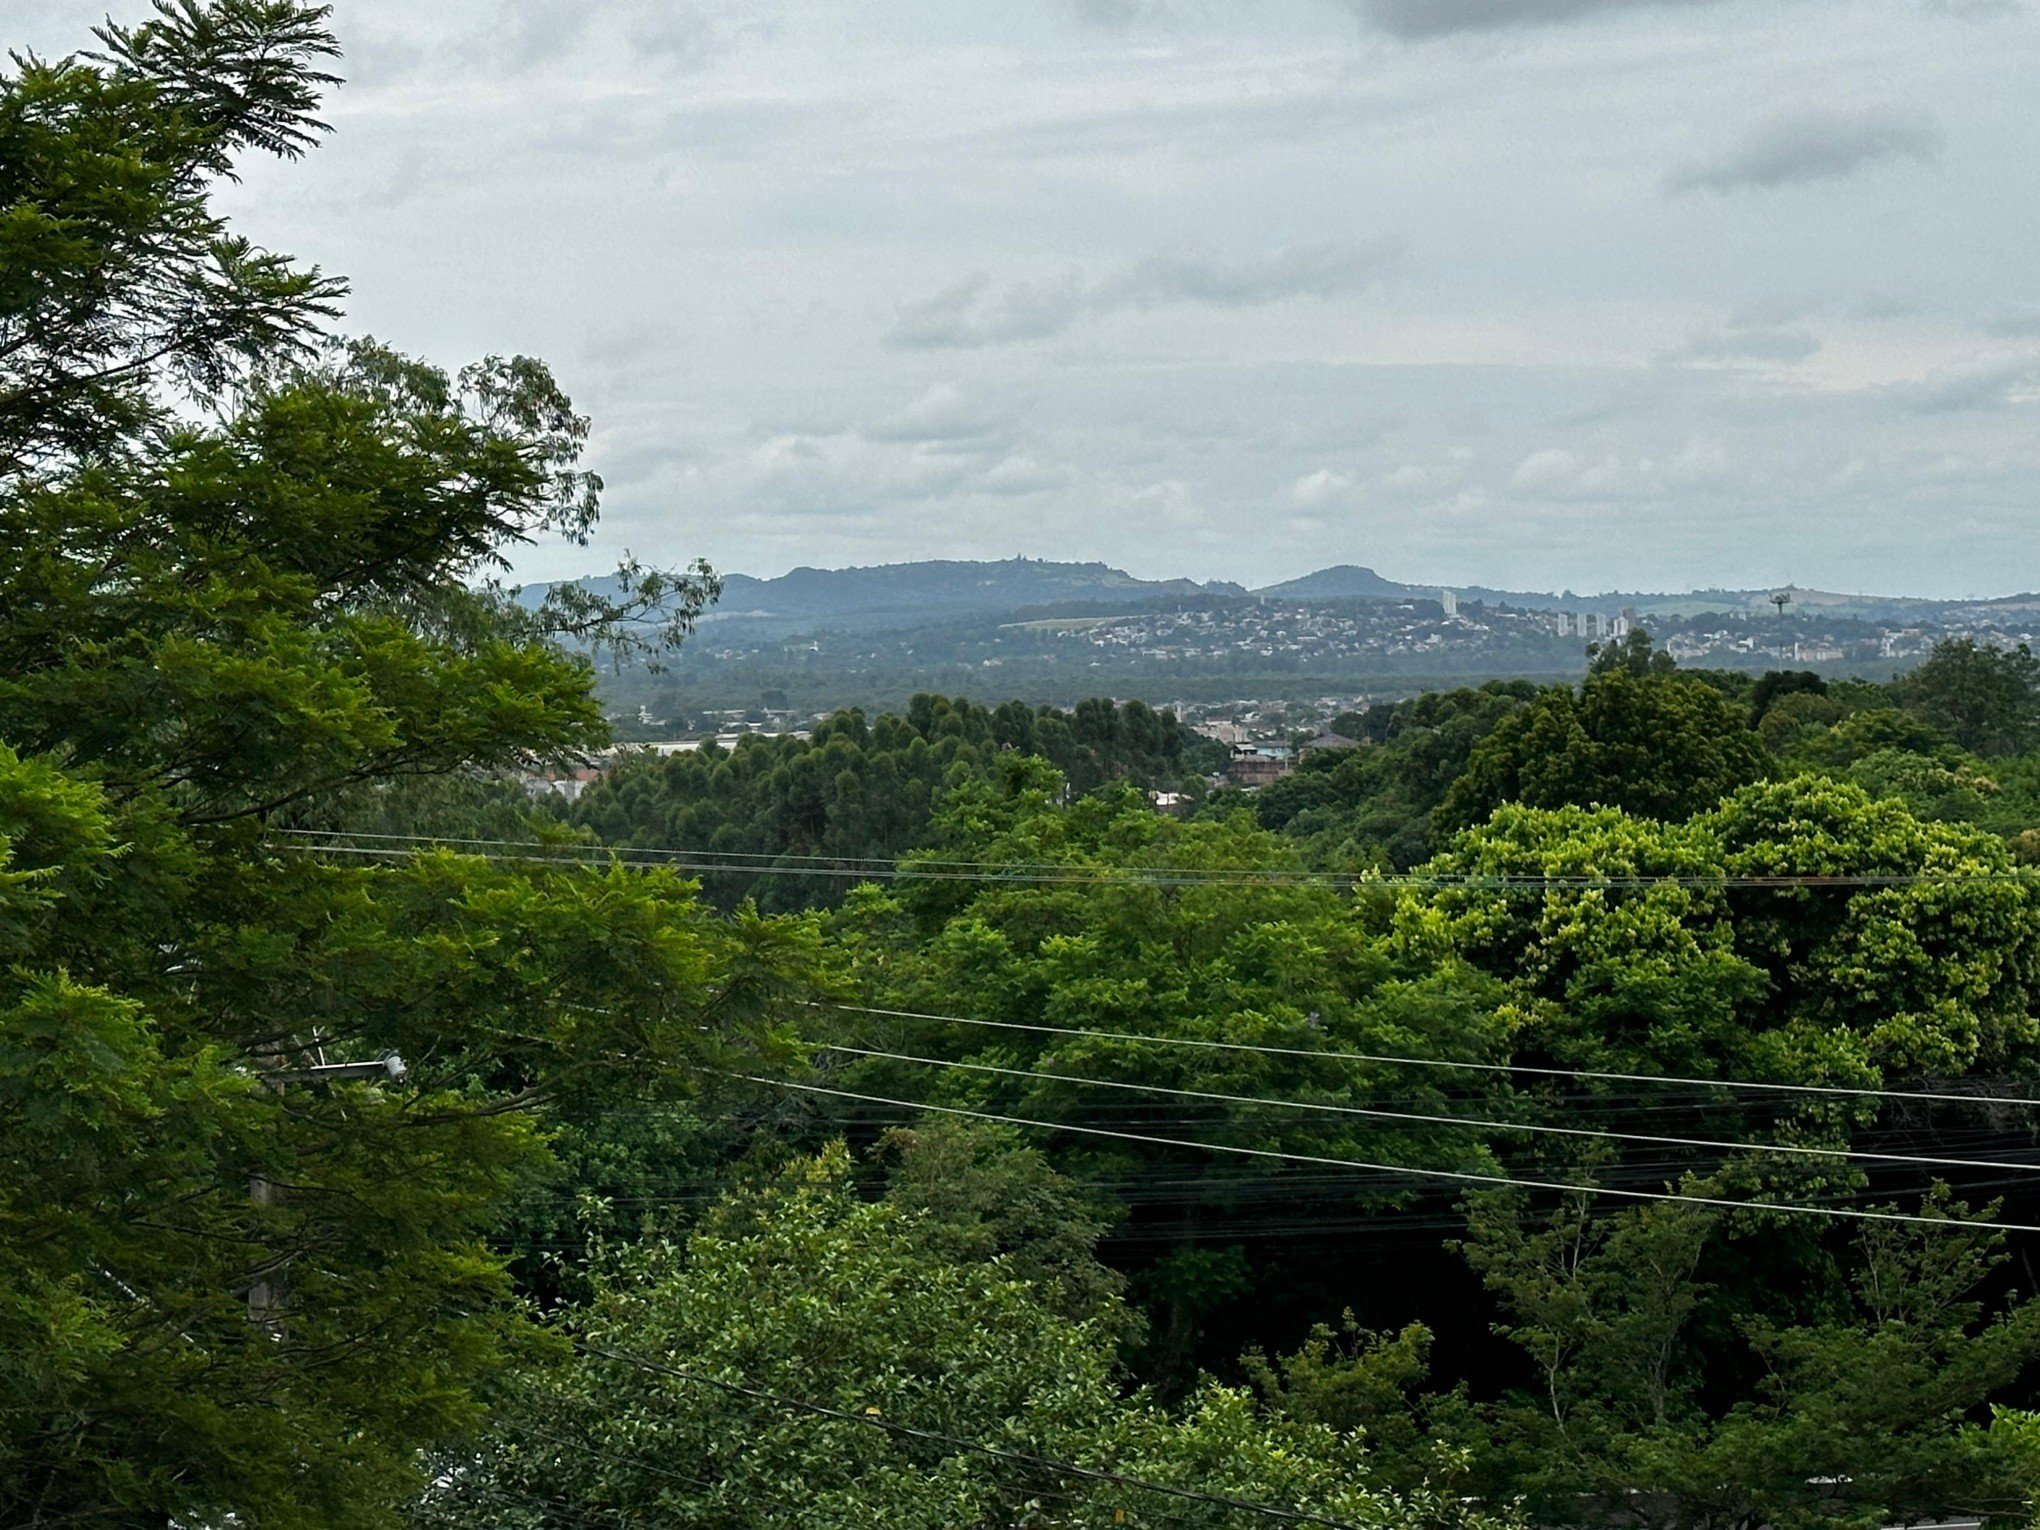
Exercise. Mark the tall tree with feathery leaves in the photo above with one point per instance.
(248, 574)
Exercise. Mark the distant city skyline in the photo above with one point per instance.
(1607, 294)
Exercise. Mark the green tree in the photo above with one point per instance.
(1987, 699)
(1776, 684)
(1129, 945)
(683, 1400)
(1935, 976)
(812, 813)
(1862, 1417)
(985, 1194)
(1354, 1378)
(1631, 962)
(233, 1290)
(1656, 744)
(1633, 654)
(1373, 806)
(1839, 738)
(1678, 1352)
(118, 274)
(1935, 792)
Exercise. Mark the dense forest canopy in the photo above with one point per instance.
(856, 792)
(1588, 1105)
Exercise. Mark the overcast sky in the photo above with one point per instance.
(1534, 293)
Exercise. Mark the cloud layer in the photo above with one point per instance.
(978, 311)
(1415, 19)
(1818, 145)
(1227, 288)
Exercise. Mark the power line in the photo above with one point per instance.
(912, 867)
(1439, 1062)
(1458, 1176)
(936, 1436)
(1424, 1118)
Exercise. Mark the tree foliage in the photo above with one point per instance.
(1282, 963)
(1867, 1415)
(1654, 743)
(116, 274)
(858, 792)
(233, 1290)
(699, 1371)
(1986, 699)
(1373, 806)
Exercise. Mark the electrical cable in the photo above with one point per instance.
(909, 866)
(1458, 1176)
(1439, 1062)
(1423, 1118)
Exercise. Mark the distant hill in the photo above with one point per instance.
(897, 595)
(814, 639)
(917, 591)
(1347, 581)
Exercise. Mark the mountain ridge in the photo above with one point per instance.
(892, 595)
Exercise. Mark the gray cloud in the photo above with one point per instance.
(411, 176)
(677, 33)
(1974, 10)
(974, 311)
(1323, 270)
(1318, 108)
(511, 38)
(1962, 390)
(1770, 310)
(1773, 343)
(528, 35)
(942, 414)
(1818, 145)
(620, 347)
(1122, 13)
(1418, 19)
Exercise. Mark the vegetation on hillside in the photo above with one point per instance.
(802, 811)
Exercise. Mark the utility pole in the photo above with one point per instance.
(265, 1292)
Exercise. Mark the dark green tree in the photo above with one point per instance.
(814, 813)
(1632, 654)
(986, 1195)
(1870, 1413)
(1776, 684)
(1373, 806)
(1987, 699)
(244, 584)
(1127, 947)
(116, 275)
(1657, 744)
(684, 1400)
